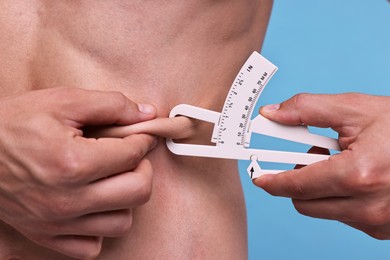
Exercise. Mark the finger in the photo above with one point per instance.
(337, 208)
(106, 224)
(319, 180)
(78, 247)
(314, 150)
(313, 110)
(93, 159)
(381, 232)
(89, 107)
(122, 191)
(177, 128)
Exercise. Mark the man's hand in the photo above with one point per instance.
(61, 189)
(353, 186)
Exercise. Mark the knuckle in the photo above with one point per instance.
(90, 247)
(120, 101)
(118, 96)
(140, 147)
(63, 209)
(122, 225)
(41, 239)
(298, 105)
(59, 209)
(296, 189)
(144, 189)
(374, 215)
(144, 194)
(298, 205)
(36, 233)
(46, 208)
(363, 180)
(300, 100)
(91, 251)
(88, 254)
(50, 227)
(70, 166)
(136, 154)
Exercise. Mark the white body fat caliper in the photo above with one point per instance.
(233, 126)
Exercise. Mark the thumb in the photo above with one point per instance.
(177, 128)
(91, 107)
(310, 109)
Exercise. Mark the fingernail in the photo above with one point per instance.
(147, 109)
(270, 108)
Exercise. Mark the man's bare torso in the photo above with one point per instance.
(159, 52)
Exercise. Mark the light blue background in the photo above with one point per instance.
(320, 46)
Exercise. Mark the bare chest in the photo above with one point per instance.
(154, 50)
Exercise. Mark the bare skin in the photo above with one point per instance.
(352, 186)
(56, 183)
(158, 52)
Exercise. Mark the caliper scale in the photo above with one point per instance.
(233, 126)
